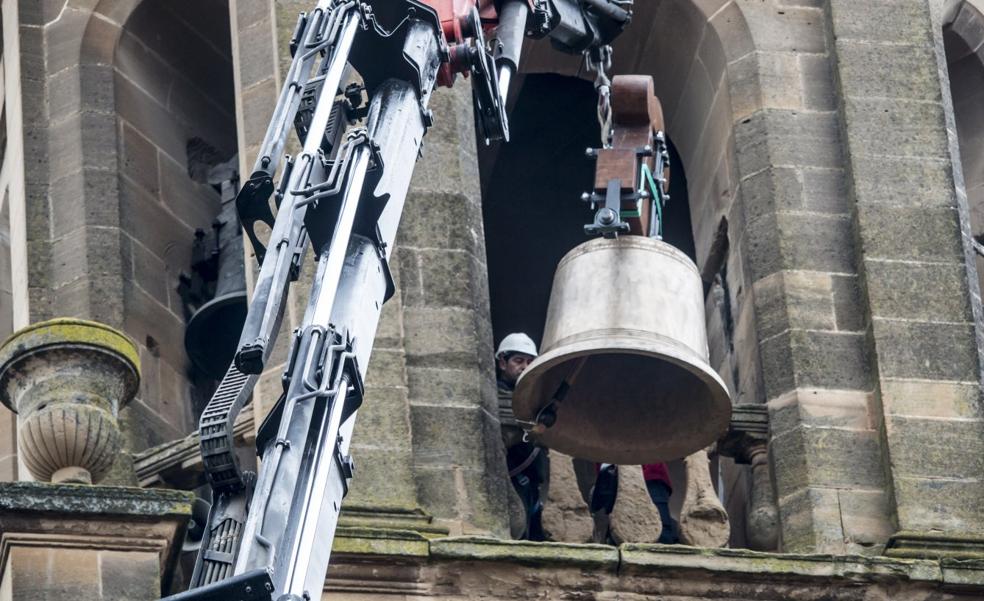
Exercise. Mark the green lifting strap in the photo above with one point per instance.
(657, 194)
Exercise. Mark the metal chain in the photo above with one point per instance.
(599, 60)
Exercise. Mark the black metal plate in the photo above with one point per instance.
(254, 585)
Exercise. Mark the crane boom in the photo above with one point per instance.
(356, 94)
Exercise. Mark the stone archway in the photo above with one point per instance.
(963, 38)
(701, 56)
(707, 74)
(174, 118)
(114, 208)
(753, 107)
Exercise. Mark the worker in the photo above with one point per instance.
(660, 487)
(658, 484)
(527, 462)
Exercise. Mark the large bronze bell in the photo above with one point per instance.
(624, 376)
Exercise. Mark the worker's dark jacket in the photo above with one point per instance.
(527, 463)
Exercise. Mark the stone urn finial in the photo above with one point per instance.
(68, 380)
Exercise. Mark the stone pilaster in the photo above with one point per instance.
(71, 543)
(912, 227)
(427, 436)
(801, 260)
(381, 442)
(457, 449)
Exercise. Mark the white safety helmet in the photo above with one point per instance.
(516, 343)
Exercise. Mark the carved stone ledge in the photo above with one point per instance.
(910, 544)
(451, 569)
(100, 539)
(749, 429)
(178, 463)
(363, 518)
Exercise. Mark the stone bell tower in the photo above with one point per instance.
(827, 173)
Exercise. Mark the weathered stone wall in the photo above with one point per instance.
(13, 268)
(459, 463)
(831, 221)
(458, 569)
(920, 287)
(427, 436)
(173, 84)
(113, 91)
(88, 543)
(803, 262)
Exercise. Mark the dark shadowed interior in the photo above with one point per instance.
(531, 190)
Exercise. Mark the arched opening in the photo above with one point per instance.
(533, 215)
(175, 118)
(531, 198)
(964, 44)
(698, 54)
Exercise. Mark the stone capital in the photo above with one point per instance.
(748, 434)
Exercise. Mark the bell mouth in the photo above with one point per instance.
(627, 401)
(212, 336)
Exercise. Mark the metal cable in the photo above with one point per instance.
(603, 85)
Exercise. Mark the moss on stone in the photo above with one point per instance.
(600, 557)
(664, 561)
(396, 518)
(93, 500)
(380, 541)
(638, 558)
(74, 331)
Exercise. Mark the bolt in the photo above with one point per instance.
(607, 216)
(548, 417)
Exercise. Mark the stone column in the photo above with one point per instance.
(747, 442)
(917, 270)
(427, 435)
(67, 543)
(459, 463)
(801, 259)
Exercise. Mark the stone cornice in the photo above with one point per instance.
(490, 568)
(91, 501)
(93, 517)
(934, 544)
